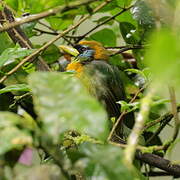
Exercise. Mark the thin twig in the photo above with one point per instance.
(45, 32)
(104, 22)
(161, 127)
(44, 14)
(54, 32)
(126, 49)
(165, 119)
(38, 51)
(45, 25)
(116, 47)
(159, 120)
(139, 147)
(124, 113)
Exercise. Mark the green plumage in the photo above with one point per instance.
(105, 84)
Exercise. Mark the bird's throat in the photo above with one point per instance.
(75, 66)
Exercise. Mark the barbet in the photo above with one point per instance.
(103, 81)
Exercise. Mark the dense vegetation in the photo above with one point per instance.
(50, 127)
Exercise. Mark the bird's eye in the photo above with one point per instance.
(83, 48)
(80, 48)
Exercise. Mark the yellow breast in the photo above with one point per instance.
(75, 66)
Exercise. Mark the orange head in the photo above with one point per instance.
(94, 48)
(84, 52)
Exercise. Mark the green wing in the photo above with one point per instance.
(106, 85)
(104, 82)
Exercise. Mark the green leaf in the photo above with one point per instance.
(1, 7)
(129, 33)
(137, 71)
(102, 19)
(12, 137)
(139, 56)
(96, 165)
(106, 36)
(160, 102)
(58, 23)
(109, 6)
(28, 28)
(11, 54)
(124, 17)
(5, 42)
(130, 86)
(119, 61)
(162, 60)
(9, 119)
(42, 171)
(51, 54)
(62, 103)
(16, 87)
(128, 106)
(123, 3)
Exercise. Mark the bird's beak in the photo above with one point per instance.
(69, 50)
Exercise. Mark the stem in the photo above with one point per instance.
(133, 138)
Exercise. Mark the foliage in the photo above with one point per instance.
(54, 115)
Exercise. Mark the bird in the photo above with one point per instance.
(91, 65)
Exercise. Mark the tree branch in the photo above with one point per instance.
(154, 160)
(126, 49)
(165, 119)
(158, 173)
(44, 14)
(159, 162)
(18, 36)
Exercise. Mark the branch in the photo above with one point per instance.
(159, 162)
(159, 120)
(158, 173)
(18, 36)
(45, 32)
(154, 160)
(165, 121)
(35, 53)
(44, 14)
(126, 49)
(54, 33)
